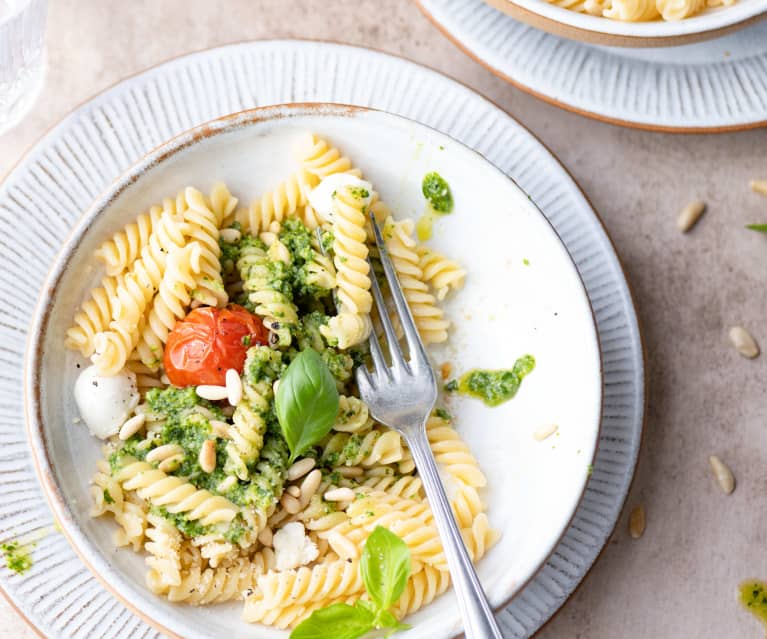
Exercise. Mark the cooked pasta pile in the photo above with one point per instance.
(199, 477)
(641, 10)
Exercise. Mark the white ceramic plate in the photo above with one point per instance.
(711, 86)
(81, 157)
(653, 33)
(506, 310)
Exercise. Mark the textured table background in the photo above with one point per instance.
(679, 580)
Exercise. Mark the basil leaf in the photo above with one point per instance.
(306, 403)
(339, 621)
(761, 228)
(385, 619)
(385, 567)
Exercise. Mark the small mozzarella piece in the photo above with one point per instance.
(292, 548)
(321, 196)
(105, 402)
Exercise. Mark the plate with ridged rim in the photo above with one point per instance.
(706, 87)
(80, 158)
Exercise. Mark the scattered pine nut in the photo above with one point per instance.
(290, 503)
(266, 536)
(233, 387)
(132, 426)
(294, 491)
(342, 546)
(208, 456)
(309, 487)
(212, 393)
(544, 431)
(690, 215)
(445, 369)
(339, 494)
(230, 235)
(744, 343)
(300, 468)
(349, 471)
(723, 474)
(637, 522)
(759, 186)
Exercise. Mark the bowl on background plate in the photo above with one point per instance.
(522, 295)
(710, 23)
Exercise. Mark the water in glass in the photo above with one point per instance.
(22, 57)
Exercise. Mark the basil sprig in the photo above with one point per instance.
(306, 402)
(385, 568)
(761, 228)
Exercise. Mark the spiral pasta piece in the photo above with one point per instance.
(320, 159)
(170, 303)
(93, 317)
(401, 246)
(279, 313)
(202, 225)
(679, 9)
(353, 415)
(200, 586)
(441, 273)
(289, 616)
(175, 494)
(164, 560)
(222, 203)
(246, 433)
(352, 324)
(384, 479)
(422, 588)
(282, 202)
(632, 10)
(376, 447)
(119, 252)
(113, 347)
(453, 454)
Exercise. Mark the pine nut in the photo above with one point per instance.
(690, 215)
(294, 491)
(637, 522)
(290, 503)
(544, 431)
(219, 428)
(266, 536)
(759, 186)
(349, 471)
(132, 426)
(309, 487)
(230, 235)
(300, 468)
(233, 387)
(212, 393)
(208, 456)
(445, 369)
(164, 452)
(339, 494)
(743, 342)
(723, 474)
(344, 548)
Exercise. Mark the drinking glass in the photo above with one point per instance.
(22, 57)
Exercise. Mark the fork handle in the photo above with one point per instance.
(477, 615)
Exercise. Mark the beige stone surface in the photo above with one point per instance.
(679, 579)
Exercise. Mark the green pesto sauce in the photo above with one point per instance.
(494, 386)
(437, 191)
(753, 597)
(18, 558)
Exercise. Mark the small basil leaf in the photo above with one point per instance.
(385, 567)
(386, 619)
(339, 621)
(306, 403)
(761, 228)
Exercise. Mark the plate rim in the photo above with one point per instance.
(151, 160)
(593, 115)
(618, 37)
(624, 285)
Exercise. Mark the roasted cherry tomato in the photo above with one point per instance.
(208, 342)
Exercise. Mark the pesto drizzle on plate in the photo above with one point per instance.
(493, 387)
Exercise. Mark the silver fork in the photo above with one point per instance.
(402, 397)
